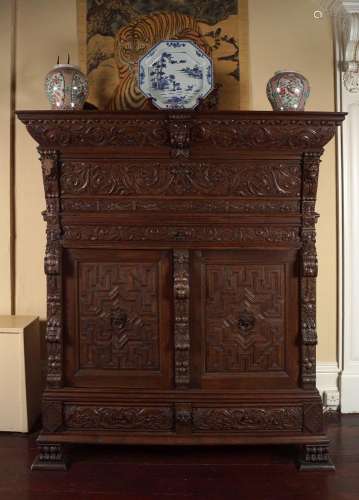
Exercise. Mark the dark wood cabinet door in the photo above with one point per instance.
(245, 320)
(118, 318)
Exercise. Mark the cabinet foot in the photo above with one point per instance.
(50, 457)
(315, 457)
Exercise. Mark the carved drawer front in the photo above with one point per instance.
(247, 323)
(119, 317)
(135, 185)
(246, 420)
(119, 418)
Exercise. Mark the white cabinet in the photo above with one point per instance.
(20, 373)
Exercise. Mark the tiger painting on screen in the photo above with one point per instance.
(115, 34)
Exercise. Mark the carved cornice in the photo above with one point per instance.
(293, 134)
(90, 131)
(179, 132)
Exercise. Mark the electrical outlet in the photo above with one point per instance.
(331, 399)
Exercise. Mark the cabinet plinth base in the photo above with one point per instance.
(315, 457)
(51, 457)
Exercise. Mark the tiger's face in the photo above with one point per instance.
(131, 44)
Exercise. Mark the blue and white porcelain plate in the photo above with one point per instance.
(176, 74)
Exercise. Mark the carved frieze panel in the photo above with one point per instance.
(245, 318)
(210, 206)
(245, 234)
(119, 418)
(119, 315)
(247, 419)
(241, 178)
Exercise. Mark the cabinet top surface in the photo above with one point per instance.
(110, 115)
(15, 324)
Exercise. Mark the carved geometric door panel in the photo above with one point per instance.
(245, 330)
(119, 322)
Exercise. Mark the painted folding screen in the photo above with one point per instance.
(114, 34)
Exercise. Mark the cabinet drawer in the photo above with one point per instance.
(119, 418)
(247, 419)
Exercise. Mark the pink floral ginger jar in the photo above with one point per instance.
(66, 87)
(288, 91)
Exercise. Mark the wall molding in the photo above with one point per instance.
(347, 66)
(13, 158)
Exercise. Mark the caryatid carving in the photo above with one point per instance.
(52, 264)
(309, 266)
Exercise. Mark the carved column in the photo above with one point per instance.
(53, 257)
(181, 289)
(309, 269)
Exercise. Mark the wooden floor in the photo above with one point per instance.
(108, 473)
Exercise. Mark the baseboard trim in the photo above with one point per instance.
(349, 383)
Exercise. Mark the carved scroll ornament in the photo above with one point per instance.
(248, 178)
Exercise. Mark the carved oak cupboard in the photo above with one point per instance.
(181, 271)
